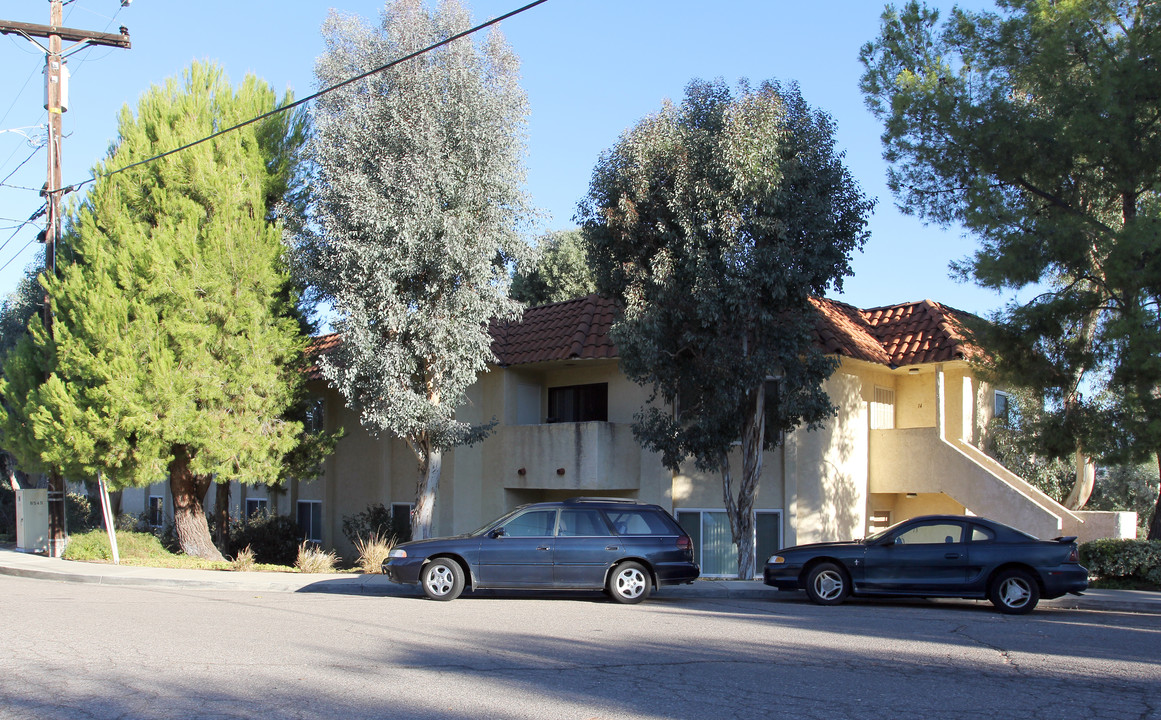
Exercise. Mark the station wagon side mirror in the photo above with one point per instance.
(498, 532)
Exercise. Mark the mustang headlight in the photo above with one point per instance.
(776, 559)
(397, 553)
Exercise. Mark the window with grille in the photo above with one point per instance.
(883, 409)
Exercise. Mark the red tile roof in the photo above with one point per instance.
(895, 335)
(573, 329)
(321, 345)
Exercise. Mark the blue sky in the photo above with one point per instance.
(591, 68)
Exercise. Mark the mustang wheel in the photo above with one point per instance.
(442, 579)
(1014, 592)
(629, 583)
(827, 584)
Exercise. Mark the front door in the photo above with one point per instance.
(519, 554)
(927, 556)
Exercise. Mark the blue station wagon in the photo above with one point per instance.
(623, 547)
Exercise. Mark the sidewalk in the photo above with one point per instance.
(39, 567)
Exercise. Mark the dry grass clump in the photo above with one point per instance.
(313, 559)
(373, 551)
(244, 561)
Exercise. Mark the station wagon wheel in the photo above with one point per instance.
(629, 583)
(827, 584)
(1014, 592)
(442, 579)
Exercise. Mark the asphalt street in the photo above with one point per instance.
(92, 651)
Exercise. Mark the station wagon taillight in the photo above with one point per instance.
(684, 543)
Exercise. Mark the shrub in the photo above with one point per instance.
(94, 546)
(7, 510)
(373, 551)
(81, 514)
(132, 522)
(375, 520)
(313, 559)
(272, 538)
(1131, 561)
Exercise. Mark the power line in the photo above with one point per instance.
(18, 253)
(31, 218)
(17, 168)
(320, 93)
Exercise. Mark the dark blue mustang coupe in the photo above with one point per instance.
(935, 556)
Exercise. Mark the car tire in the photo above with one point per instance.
(442, 579)
(1014, 592)
(629, 583)
(827, 584)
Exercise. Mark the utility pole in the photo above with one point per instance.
(55, 102)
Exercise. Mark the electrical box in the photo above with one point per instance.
(32, 520)
(63, 88)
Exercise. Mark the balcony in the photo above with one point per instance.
(586, 456)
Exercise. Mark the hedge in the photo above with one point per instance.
(1137, 560)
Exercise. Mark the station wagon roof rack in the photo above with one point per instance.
(628, 501)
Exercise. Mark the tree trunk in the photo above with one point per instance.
(426, 491)
(222, 517)
(753, 430)
(189, 515)
(1155, 523)
(1085, 480)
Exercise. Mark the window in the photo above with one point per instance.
(582, 523)
(931, 534)
(640, 522)
(713, 544)
(982, 534)
(254, 506)
(579, 403)
(401, 521)
(315, 420)
(883, 409)
(310, 520)
(534, 523)
(156, 511)
(1002, 405)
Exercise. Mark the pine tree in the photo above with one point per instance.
(1036, 128)
(175, 347)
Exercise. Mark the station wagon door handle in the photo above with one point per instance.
(952, 556)
(543, 547)
(612, 547)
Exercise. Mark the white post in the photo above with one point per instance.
(107, 513)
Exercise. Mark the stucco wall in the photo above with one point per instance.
(829, 465)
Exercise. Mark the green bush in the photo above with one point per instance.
(7, 510)
(81, 514)
(94, 546)
(1131, 561)
(273, 539)
(375, 520)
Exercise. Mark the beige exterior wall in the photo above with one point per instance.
(827, 483)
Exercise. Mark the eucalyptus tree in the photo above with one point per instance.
(561, 271)
(416, 211)
(712, 224)
(1036, 128)
(176, 348)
